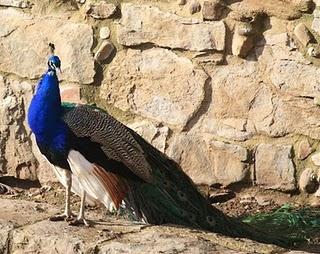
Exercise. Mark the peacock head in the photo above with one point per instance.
(54, 62)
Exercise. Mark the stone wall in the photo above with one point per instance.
(229, 89)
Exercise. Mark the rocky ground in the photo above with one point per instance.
(25, 228)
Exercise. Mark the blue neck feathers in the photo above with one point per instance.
(44, 115)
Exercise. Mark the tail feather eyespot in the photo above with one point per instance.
(182, 196)
(166, 183)
(211, 221)
(162, 173)
(192, 217)
(183, 213)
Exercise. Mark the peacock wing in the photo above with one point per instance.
(114, 138)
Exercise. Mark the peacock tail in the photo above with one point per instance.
(299, 225)
(174, 199)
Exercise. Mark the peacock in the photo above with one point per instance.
(105, 161)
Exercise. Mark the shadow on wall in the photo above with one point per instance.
(261, 24)
(204, 106)
(19, 183)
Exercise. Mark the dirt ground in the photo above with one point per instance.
(233, 202)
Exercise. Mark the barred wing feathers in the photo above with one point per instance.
(109, 135)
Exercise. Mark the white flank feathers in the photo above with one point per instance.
(61, 175)
(83, 170)
(75, 184)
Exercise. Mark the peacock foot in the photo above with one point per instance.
(62, 217)
(79, 222)
(5, 189)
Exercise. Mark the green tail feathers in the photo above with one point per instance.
(299, 226)
(172, 198)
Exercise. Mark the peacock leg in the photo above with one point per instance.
(81, 220)
(67, 215)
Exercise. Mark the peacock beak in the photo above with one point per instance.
(58, 68)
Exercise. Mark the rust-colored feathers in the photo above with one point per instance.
(116, 185)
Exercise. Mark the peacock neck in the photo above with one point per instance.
(44, 115)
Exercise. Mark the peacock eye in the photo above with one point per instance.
(313, 177)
